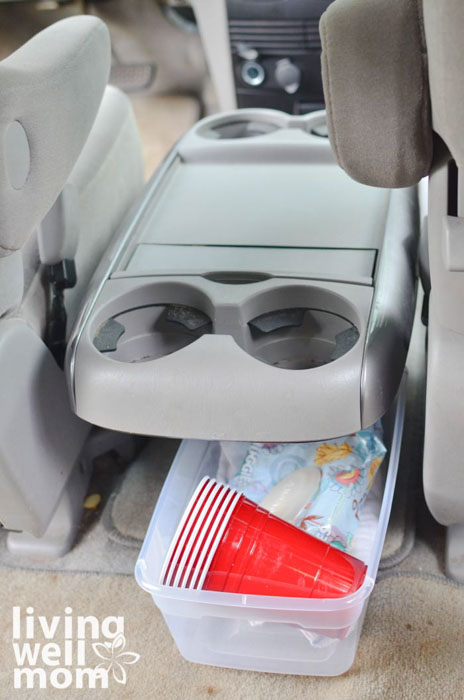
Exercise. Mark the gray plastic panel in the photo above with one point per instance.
(241, 353)
(258, 136)
(253, 204)
(219, 385)
(315, 263)
(392, 316)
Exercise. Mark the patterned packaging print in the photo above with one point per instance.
(348, 468)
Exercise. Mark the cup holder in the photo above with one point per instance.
(150, 332)
(238, 126)
(321, 130)
(251, 123)
(293, 327)
(240, 130)
(300, 338)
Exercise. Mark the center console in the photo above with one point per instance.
(256, 293)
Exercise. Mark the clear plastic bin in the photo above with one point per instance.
(259, 633)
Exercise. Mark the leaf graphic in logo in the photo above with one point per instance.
(129, 657)
(116, 657)
(119, 673)
(102, 651)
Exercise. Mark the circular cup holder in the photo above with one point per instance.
(241, 126)
(300, 338)
(150, 332)
(239, 130)
(321, 130)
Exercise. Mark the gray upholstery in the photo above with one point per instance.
(33, 306)
(40, 439)
(58, 232)
(107, 178)
(105, 181)
(52, 88)
(443, 463)
(379, 122)
(51, 91)
(375, 84)
(444, 26)
(11, 282)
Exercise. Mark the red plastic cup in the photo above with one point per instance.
(225, 542)
(198, 534)
(261, 554)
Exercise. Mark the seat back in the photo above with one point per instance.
(392, 73)
(51, 91)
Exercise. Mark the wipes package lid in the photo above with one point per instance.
(347, 467)
(290, 495)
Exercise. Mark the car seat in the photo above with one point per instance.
(71, 167)
(392, 73)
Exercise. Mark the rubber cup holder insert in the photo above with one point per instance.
(300, 338)
(150, 332)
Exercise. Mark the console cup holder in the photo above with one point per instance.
(300, 338)
(300, 327)
(239, 130)
(293, 327)
(150, 332)
(240, 126)
(244, 124)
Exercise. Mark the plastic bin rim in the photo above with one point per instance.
(255, 601)
(159, 591)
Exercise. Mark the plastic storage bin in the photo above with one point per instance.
(260, 633)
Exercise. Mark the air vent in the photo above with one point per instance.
(276, 37)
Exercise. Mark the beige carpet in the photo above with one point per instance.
(140, 34)
(411, 652)
(162, 120)
(133, 504)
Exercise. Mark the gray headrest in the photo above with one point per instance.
(50, 89)
(374, 69)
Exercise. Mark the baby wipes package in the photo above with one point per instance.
(326, 498)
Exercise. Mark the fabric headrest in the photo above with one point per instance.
(50, 89)
(374, 69)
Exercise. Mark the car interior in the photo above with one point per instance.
(231, 360)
